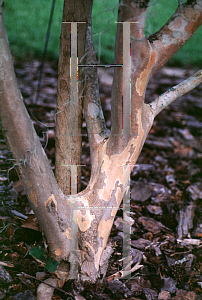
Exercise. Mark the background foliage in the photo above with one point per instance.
(27, 22)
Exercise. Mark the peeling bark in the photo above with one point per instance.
(176, 32)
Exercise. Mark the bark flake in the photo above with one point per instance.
(141, 81)
(51, 203)
(33, 199)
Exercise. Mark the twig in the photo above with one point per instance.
(30, 276)
(175, 92)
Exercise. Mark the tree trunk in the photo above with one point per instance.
(92, 210)
(69, 104)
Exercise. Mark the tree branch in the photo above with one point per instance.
(94, 117)
(136, 66)
(176, 32)
(174, 93)
(31, 162)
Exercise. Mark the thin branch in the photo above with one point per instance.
(97, 131)
(92, 106)
(175, 92)
(25, 275)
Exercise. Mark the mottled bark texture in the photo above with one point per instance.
(96, 206)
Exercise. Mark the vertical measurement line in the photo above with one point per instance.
(126, 221)
(74, 226)
(74, 122)
(74, 83)
(126, 78)
(74, 132)
(73, 179)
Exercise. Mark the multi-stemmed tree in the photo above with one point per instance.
(92, 210)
